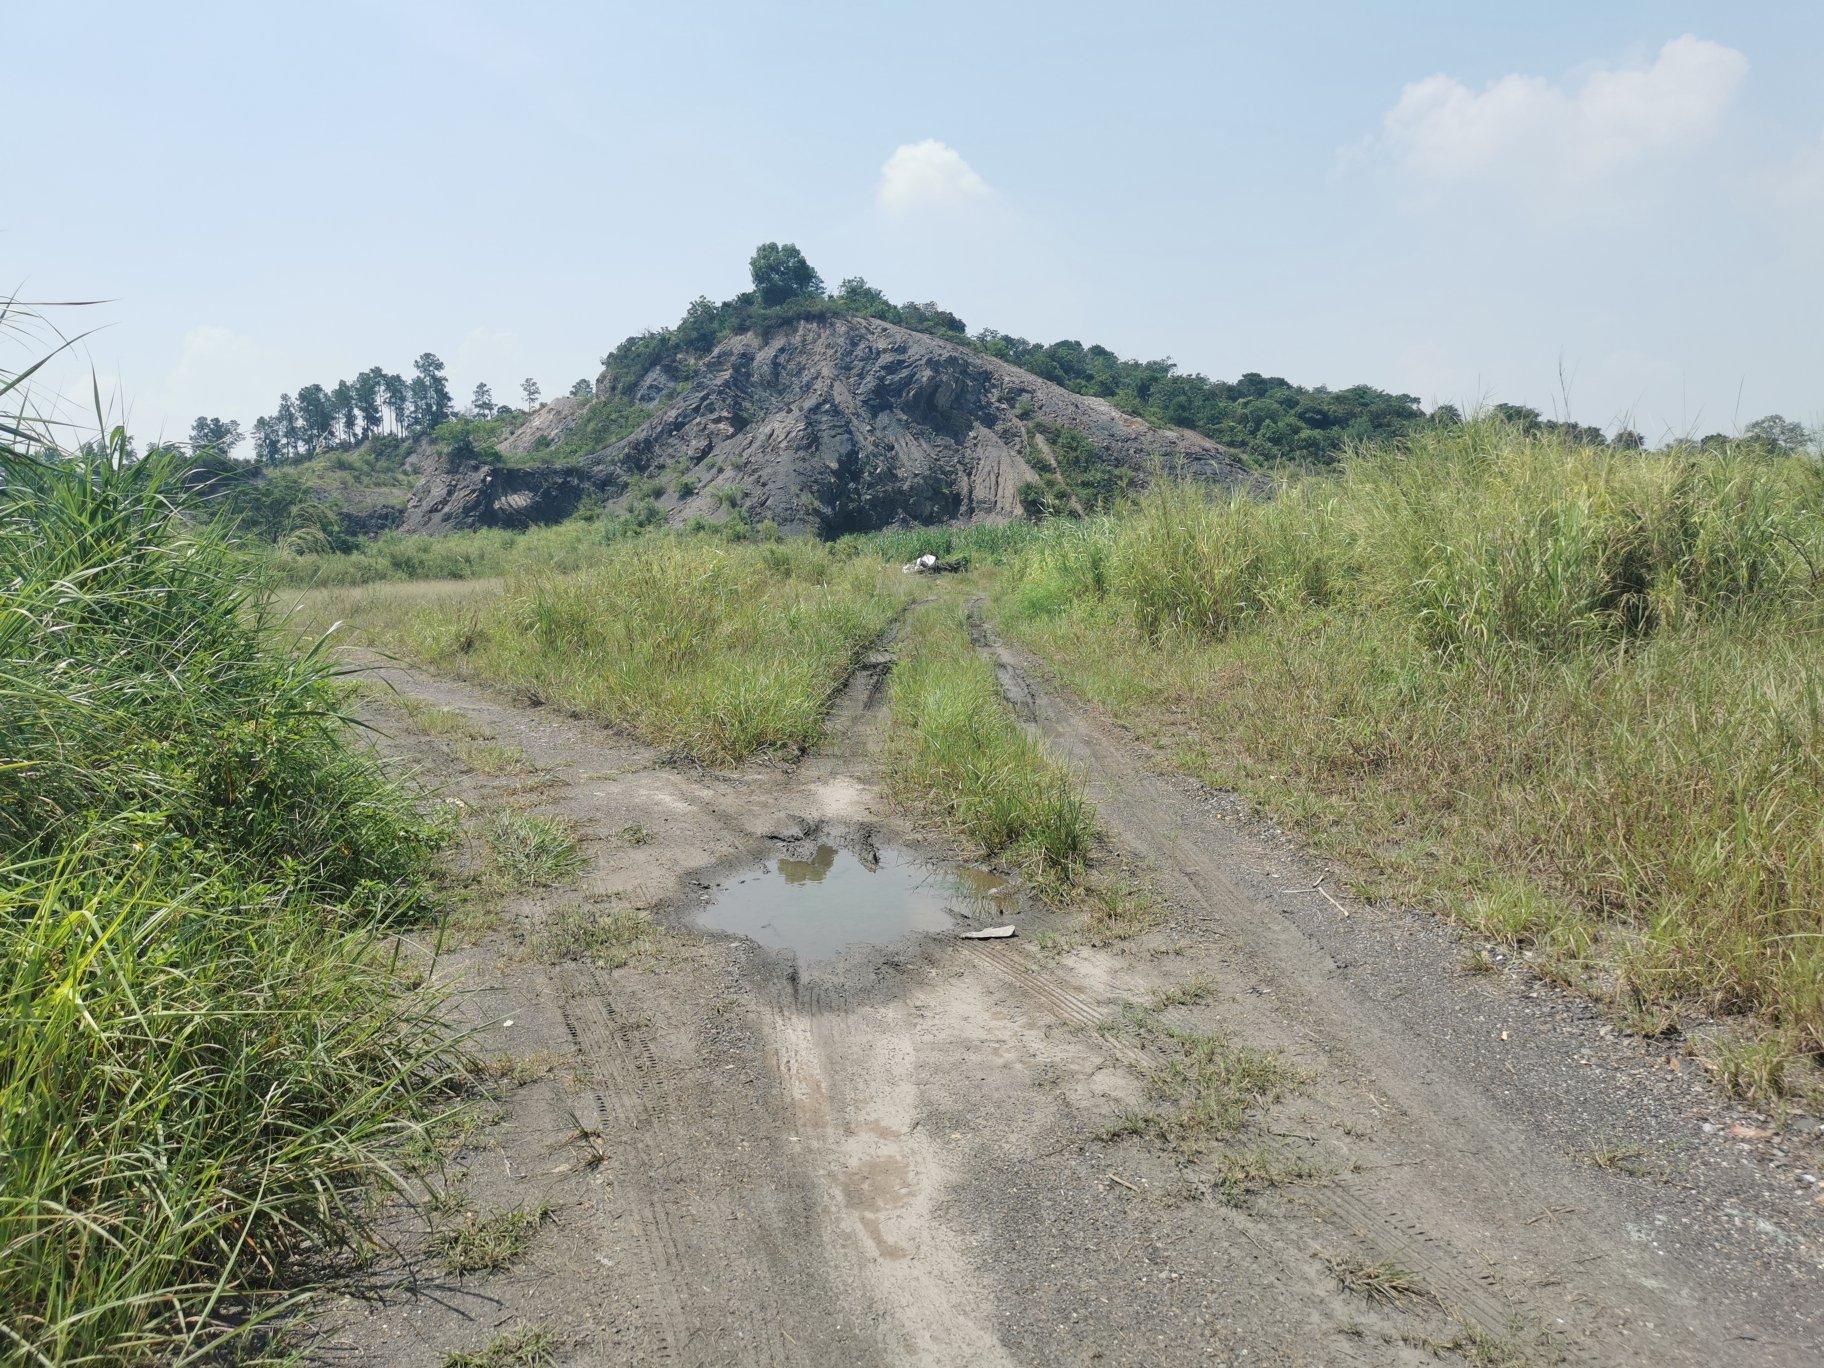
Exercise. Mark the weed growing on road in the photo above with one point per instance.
(713, 649)
(1207, 1088)
(514, 1349)
(526, 850)
(958, 755)
(609, 937)
(1379, 1280)
(475, 1243)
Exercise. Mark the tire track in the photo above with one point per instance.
(1463, 1282)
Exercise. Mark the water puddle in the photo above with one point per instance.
(832, 900)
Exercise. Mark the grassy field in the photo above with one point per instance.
(1570, 695)
(716, 649)
(207, 1053)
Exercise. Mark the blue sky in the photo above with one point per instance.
(1622, 202)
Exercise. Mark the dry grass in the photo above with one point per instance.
(1574, 697)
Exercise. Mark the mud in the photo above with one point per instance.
(901, 1153)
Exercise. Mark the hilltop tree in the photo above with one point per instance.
(395, 394)
(482, 402)
(430, 394)
(368, 387)
(780, 273)
(348, 412)
(316, 416)
(529, 389)
(583, 390)
(216, 435)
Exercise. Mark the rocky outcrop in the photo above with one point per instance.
(544, 426)
(461, 495)
(834, 424)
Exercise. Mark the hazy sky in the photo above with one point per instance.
(1450, 199)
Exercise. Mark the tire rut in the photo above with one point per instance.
(1389, 1221)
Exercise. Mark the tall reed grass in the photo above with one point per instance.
(206, 1053)
(1570, 693)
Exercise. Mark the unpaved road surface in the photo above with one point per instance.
(902, 1156)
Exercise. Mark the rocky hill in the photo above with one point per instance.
(832, 424)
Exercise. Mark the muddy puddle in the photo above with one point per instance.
(826, 900)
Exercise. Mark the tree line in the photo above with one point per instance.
(376, 403)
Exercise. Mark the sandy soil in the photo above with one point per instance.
(896, 1158)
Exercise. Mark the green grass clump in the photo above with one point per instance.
(714, 649)
(958, 754)
(474, 1243)
(1573, 695)
(609, 937)
(1206, 1090)
(514, 1349)
(206, 1052)
(527, 850)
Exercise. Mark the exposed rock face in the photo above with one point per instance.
(550, 422)
(457, 496)
(832, 425)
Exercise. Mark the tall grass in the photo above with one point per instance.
(958, 755)
(205, 1051)
(1572, 694)
(716, 649)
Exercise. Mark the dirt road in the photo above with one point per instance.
(923, 1153)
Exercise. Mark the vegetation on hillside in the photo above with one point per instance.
(205, 1051)
(1570, 693)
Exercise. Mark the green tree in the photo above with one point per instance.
(316, 417)
(529, 388)
(396, 395)
(1779, 435)
(780, 273)
(430, 394)
(368, 395)
(482, 403)
(348, 412)
(216, 435)
(583, 390)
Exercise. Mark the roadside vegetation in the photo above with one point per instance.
(716, 649)
(207, 1048)
(1569, 693)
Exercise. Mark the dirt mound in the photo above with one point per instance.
(842, 424)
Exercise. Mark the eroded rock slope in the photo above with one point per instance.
(833, 425)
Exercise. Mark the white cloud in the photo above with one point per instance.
(928, 175)
(1526, 129)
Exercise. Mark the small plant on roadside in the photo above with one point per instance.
(1755, 1068)
(609, 937)
(1384, 1281)
(526, 850)
(474, 1243)
(513, 1349)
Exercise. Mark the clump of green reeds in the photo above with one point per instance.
(206, 1054)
